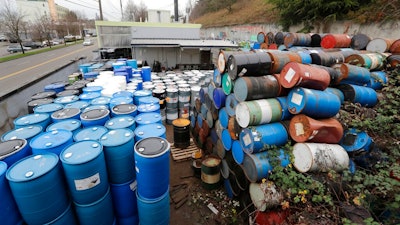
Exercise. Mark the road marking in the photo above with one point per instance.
(41, 64)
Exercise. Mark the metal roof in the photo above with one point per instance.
(185, 43)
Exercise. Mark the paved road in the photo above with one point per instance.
(20, 72)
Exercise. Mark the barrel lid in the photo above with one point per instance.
(92, 89)
(54, 86)
(81, 152)
(142, 93)
(40, 101)
(75, 86)
(116, 137)
(121, 100)
(48, 108)
(10, 146)
(123, 94)
(32, 167)
(172, 90)
(181, 122)
(158, 90)
(150, 107)
(89, 95)
(50, 139)
(237, 152)
(149, 100)
(152, 147)
(354, 140)
(102, 100)
(303, 157)
(78, 104)
(91, 107)
(211, 161)
(150, 130)
(25, 132)
(148, 118)
(30, 119)
(124, 108)
(44, 94)
(120, 122)
(68, 124)
(90, 133)
(94, 114)
(68, 92)
(66, 99)
(65, 113)
(3, 168)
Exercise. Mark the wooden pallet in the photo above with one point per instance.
(183, 153)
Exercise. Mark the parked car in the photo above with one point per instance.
(69, 38)
(17, 48)
(52, 42)
(3, 37)
(32, 44)
(87, 42)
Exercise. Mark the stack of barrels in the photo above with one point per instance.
(260, 100)
(94, 151)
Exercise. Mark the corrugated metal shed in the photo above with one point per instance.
(182, 43)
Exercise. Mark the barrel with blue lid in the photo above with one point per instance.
(140, 94)
(150, 130)
(84, 68)
(95, 117)
(148, 107)
(149, 100)
(226, 139)
(88, 89)
(72, 125)
(154, 211)
(123, 94)
(118, 145)
(90, 75)
(48, 108)
(27, 132)
(8, 208)
(313, 103)
(78, 104)
(102, 100)
(66, 99)
(132, 63)
(125, 202)
(120, 100)
(146, 73)
(38, 188)
(85, 171)
(90, 133)
(41, 119)
(365, 96)
(223, 117)
(237, 152)
(65, 113)
(51, 141)
(152, 167)
(285, 107)
(67, 217)
(148, 118)
(36, 102)
(356, 141)
(121, 122)
(89, 96)
(57, 87)
(230, 104)
(99, 212)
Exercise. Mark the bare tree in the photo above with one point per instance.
(13, 21)
(44, 28)
(135, 12)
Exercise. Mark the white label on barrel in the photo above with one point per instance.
(315, 132)
(296, 98)
(289, 75)
(87, 183)
(299, 129)
(313, 51)
(246, 139)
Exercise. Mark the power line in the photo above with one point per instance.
(81, 5)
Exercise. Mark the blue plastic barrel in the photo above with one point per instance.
(72, 125)
(262, 137)
(90, 133)
(121, 122)
(305, 57)
(146, 73)
(219, 98)
(56, 87)
(78, 104)
(223, 117)
(27, 133)
(92, 107)
(40, 119)
(366, 96)
(118, 64)
(99, 212)
(64, 114)
(120, 100)
(154, 211)
(95, 117)
(148, 118)
(51, 142)
(125, 200)
(313, 103)
(152, 167)
(150, 130)
(89, 96)
(124, 109)
(123, 74)
(66, 99)
(226, 139)
(118, 145)
(237, 152)
(67, 217)
(85, 171)
(90, 75)
(102, 100)
(140, 94)
(257, 166)
(84, 68)
(13, 150)
(147, 108)
(378, 80)
(285, 108)
(337, 92)
(38, 188)
(9, 213)
(132, 63)
(230, 104)
(123, 94)
(48, 108)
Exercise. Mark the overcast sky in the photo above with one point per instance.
(112, 8)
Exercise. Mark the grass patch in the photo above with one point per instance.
(37, 51)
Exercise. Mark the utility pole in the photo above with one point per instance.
(122, 12)
(101, 10)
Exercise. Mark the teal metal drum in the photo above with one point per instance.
(152, 167)
(90, 133)
(38, 188)
(150, 130)
(85, 171)
(27, 133)
(51, 142)
(148, 118)
(118, 145)
(13, 150)
(9, 213)
(72, 125)
(40, 119)
(99, 212)
(121, 122)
